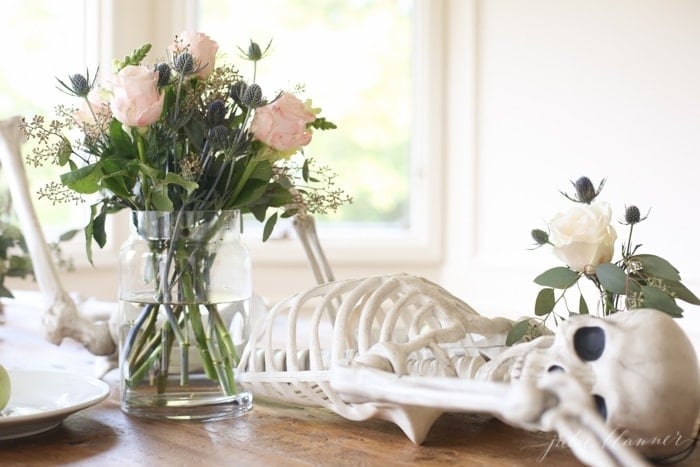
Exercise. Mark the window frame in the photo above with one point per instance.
(119, 32)
(422, 242)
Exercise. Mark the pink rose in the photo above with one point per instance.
(97, 105)
(202, 48)
(136, 101)
(282, 124)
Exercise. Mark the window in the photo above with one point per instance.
(363, 62)
(393, 142)
(27, 81)
(354, 59)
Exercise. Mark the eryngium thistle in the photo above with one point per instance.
(237, 91)
(219, 137)
(184, 63)
(632, 215)
(163, 70)
(254, 52)
(253, 96)
(585, 191)
(80, 85)
(216, 112)
(540, 236)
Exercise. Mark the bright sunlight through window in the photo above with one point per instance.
(354, 58)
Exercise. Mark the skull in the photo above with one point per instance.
(641, 370)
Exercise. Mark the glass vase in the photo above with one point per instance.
(184, 293)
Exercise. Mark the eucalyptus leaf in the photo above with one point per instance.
(98, 228)
(545, 302)
(582, 306)
(682, 292)
(612, 278)
(305, 171)
(653, 297)
(269, 227)
(557, 278)
(517, 332)
(68, 235)
(658, 267)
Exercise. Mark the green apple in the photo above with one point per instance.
(4, 387)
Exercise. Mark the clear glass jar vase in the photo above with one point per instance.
(184, 293)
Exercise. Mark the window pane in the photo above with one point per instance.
(49, 41)
(353, 59)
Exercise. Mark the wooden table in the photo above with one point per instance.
(269, 435)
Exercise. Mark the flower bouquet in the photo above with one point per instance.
(188, 147)
(584, 239)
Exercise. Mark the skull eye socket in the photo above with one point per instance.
(589, 343)
(600, 406)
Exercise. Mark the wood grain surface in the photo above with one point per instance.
(269, 435)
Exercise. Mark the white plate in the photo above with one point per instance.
(41, 400)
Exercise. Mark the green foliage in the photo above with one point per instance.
(612, 278)
(544, 304)
(199, 154)
(136, 57)
(636, 280)
(558, 278)
(518, 332)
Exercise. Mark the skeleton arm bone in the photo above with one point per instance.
(519, 404)
(61, 318)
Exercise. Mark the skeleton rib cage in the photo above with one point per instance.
(394, 323)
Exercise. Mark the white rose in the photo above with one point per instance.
(583, 235)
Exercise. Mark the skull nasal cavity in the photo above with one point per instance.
(589, 343)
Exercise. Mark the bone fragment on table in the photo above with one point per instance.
(62, 318)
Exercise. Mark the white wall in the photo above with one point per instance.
(546, 91)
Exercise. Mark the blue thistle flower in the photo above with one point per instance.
(219, 137)
(253, 96)
(216, 112)
(254, 52)
(163, 70)
(632, 215)
(585, 191)
(540, 237)
(184, 63)
(79, 84)
(237, 90)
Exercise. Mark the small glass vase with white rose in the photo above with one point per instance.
(583, 238)
(188, 147)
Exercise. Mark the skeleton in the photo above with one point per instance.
(405, 350)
